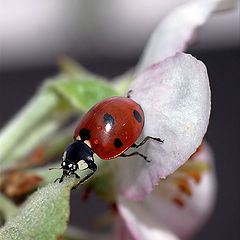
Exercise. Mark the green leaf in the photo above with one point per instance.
(72, 68)
(82, 93)
(43, 216)
(58, 99)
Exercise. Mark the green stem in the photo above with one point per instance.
(39, 135)
(58, 142)
(7, 208)
(20, 125)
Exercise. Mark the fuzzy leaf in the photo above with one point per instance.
(43, 216)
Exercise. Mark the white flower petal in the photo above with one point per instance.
(175, 97)
(149, 216)
(141, 223)
(174, 32)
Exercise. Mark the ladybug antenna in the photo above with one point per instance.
(54, 168)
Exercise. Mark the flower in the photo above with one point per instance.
(178, 206)
(175, 98)
(160, 199)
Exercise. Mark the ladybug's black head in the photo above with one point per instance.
(78, 155)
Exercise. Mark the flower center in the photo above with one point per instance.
(180, 185)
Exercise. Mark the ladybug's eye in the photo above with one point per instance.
(74, 167)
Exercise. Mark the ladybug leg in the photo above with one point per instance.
(145, 140)
(92, 166)
(135, 153)
(62, 177)
(65, 174)
(57, 179)
(76, 175)
(129, 93)
(83, 180)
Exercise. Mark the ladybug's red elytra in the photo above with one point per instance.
(108, 129)
(111, 126)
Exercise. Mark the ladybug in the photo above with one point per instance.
(108, 129)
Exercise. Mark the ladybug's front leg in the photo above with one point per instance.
(76, 175)
(62, 177)
(83, 180)
(92, 166)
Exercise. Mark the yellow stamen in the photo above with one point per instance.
(178, 201)
(195, 175)
(184, 186)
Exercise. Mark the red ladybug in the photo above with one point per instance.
(108, 129)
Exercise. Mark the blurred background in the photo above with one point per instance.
(108, 39)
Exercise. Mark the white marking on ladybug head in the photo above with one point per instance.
(78, 138)
(88, 143)
(82, 165)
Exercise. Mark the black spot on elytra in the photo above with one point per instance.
(84, 134)
(137, 116)
(118, 143)
(108, 119)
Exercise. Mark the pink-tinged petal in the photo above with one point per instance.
(161, 208)
(175, 97)
(175, 31)
(120, 231)
(142, 223)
